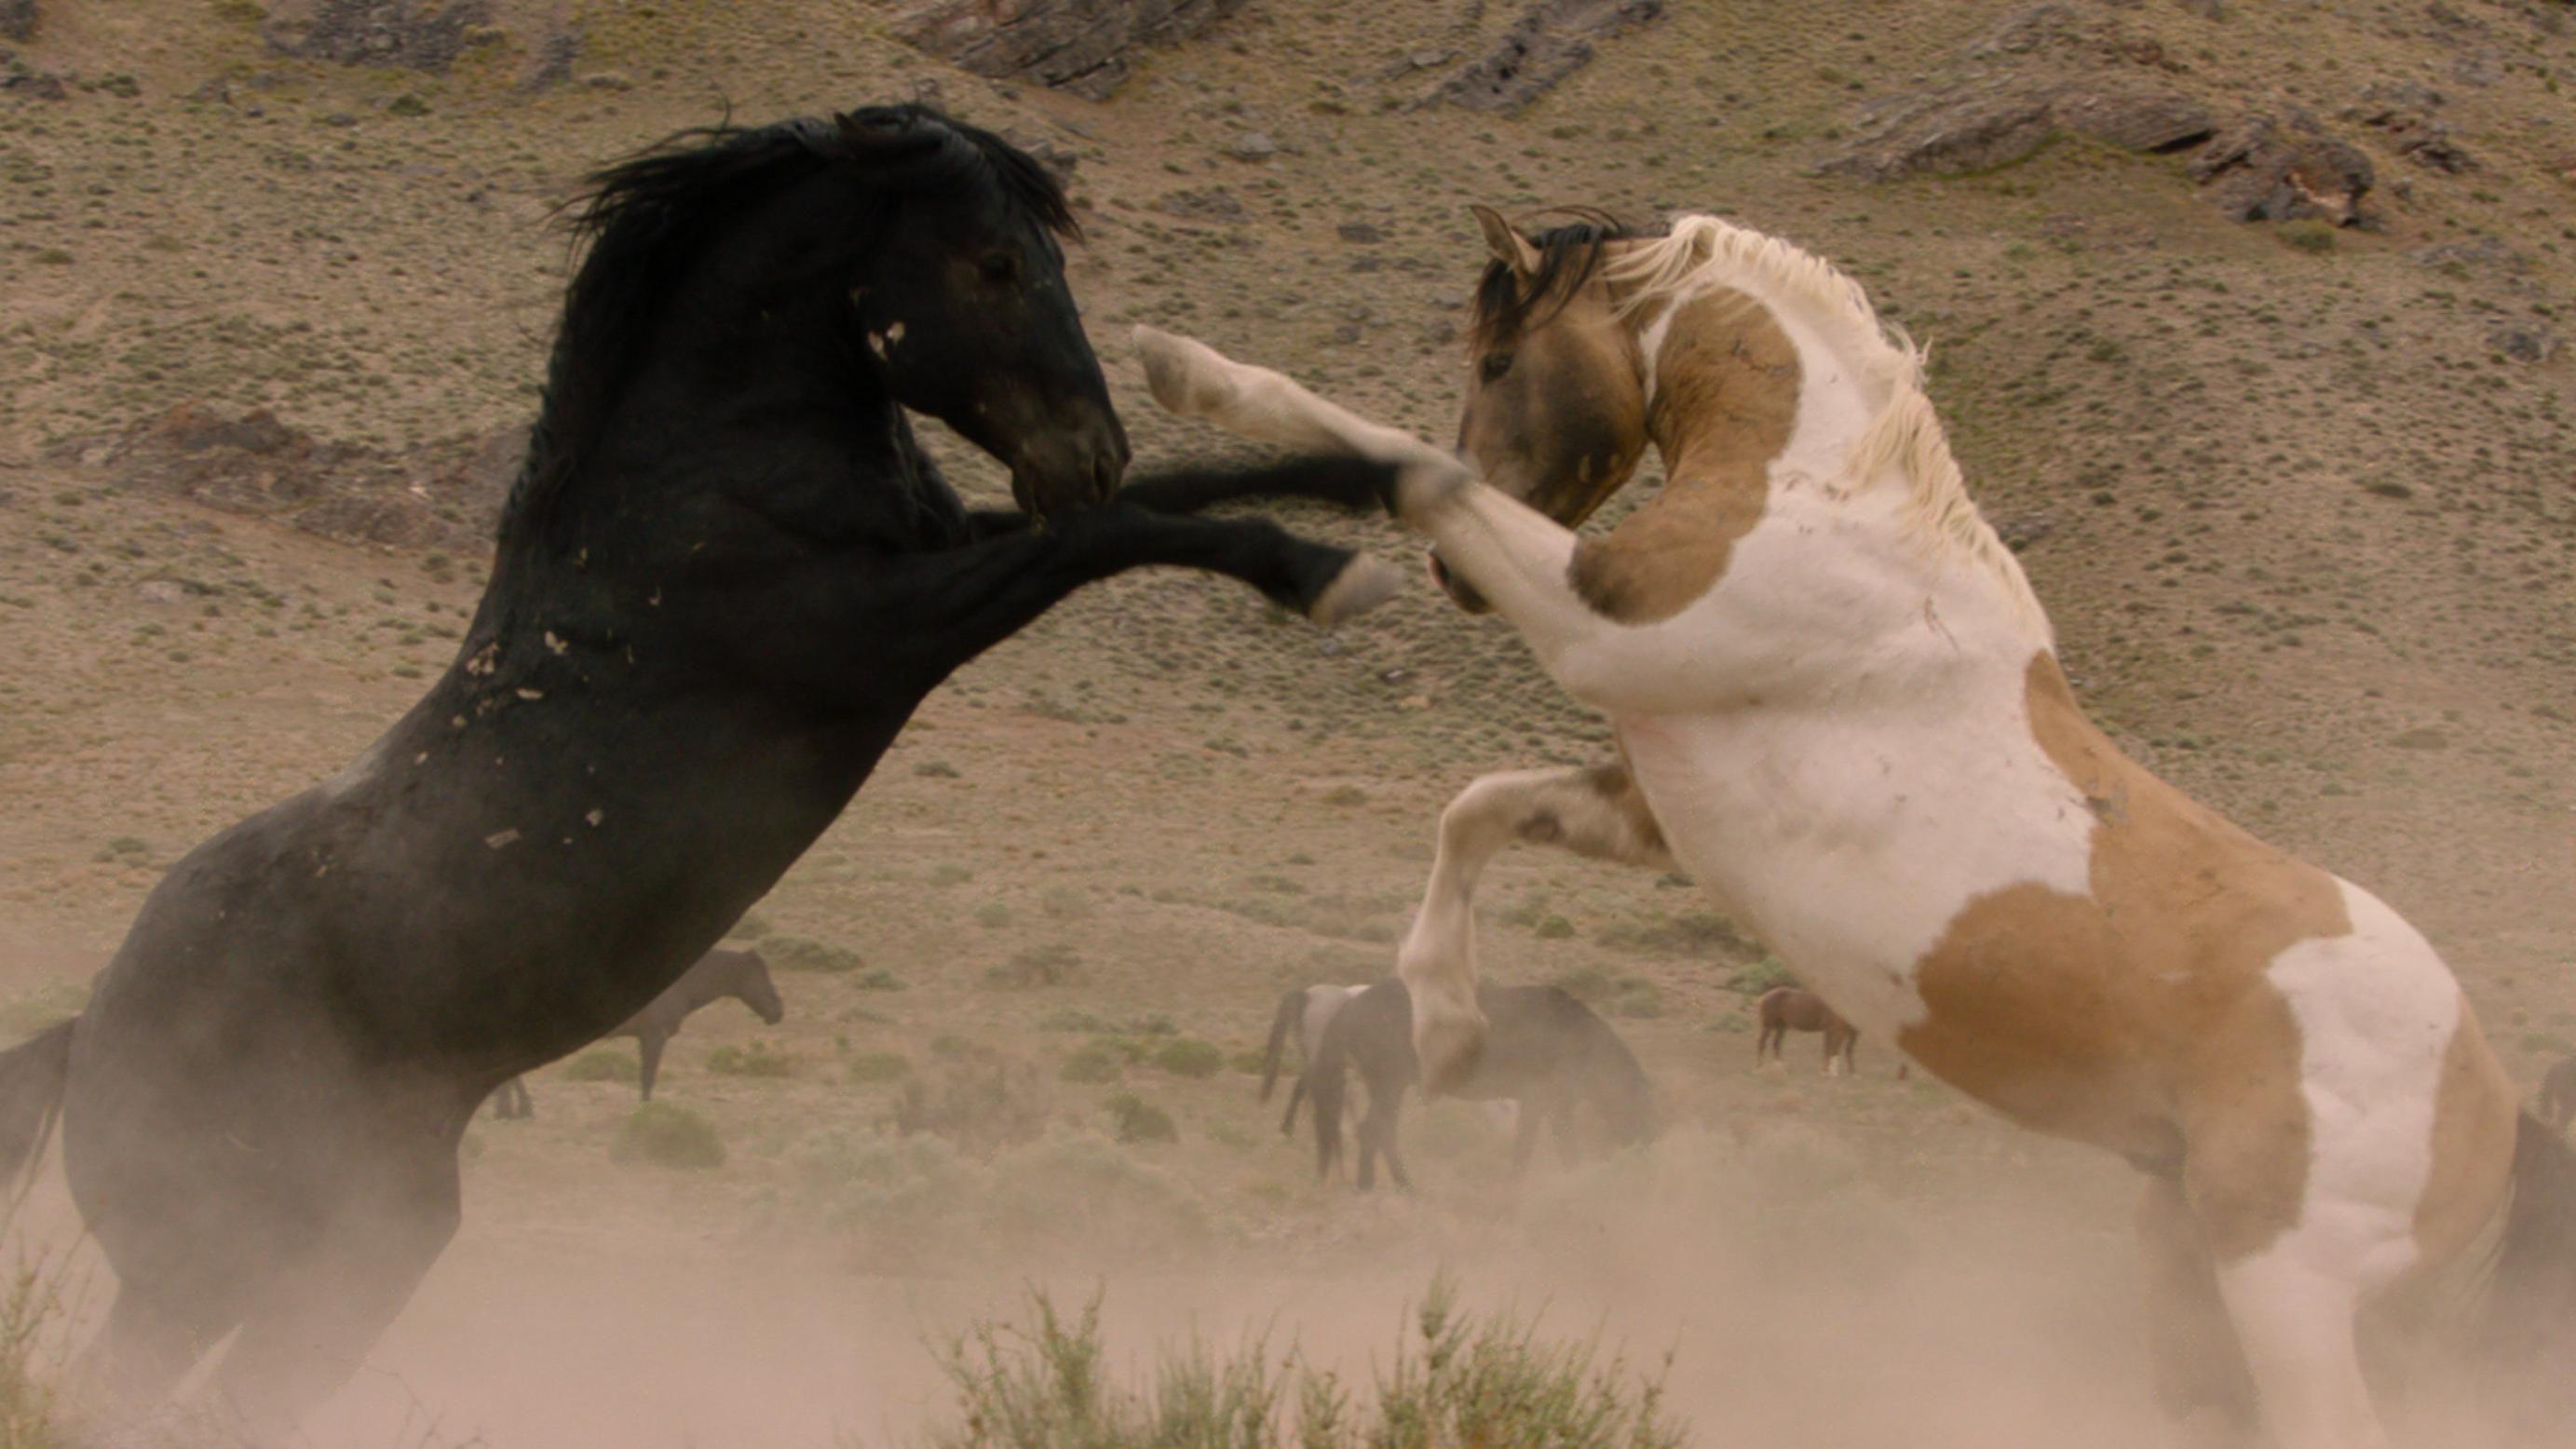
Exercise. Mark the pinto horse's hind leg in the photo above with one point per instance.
(2192, 1346)
(1595, 811)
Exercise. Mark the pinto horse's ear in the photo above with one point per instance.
(1505, 241)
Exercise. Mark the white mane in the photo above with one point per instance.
(1701, 250)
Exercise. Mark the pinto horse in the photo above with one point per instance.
(1839, 708)
(1303, 1014)
(1784, 1009)
(726, 576)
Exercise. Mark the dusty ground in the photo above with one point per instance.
(2307, 537)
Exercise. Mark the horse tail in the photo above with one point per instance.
(31, 1099)
(1324, 1082)
(1282, 1022)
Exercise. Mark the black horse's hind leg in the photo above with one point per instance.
(158, 1329)
(319, 1315)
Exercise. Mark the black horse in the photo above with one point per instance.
(742, 975)
(1544, 1050)
(725, 578)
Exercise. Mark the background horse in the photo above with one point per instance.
(2557, 1102)
(742, 975)
(1550, 1055)
(1304, 1014)
(1784, 1009)
(725, 577)
(1839, 709)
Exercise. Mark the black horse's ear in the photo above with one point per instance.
(881, 132)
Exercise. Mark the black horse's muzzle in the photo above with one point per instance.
(1065, 468)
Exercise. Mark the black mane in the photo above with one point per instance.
(646, 219)
(1568, 255)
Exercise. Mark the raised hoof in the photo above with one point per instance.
(1362, 585)
(1185, 376)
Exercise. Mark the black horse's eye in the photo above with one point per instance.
(1000, 268)
(1494, 366)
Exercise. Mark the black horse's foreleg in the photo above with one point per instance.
(1344, 482)
(948, 607)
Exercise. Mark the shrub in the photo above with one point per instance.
(751, 1059)
(604, 1064)
(868, 1068)
(1053, 964)
(667, 1136)
(1555, 928)
(1455, 1380)
(1187, 1056)
(1097, 1060)
(1761, 976)
(800, 953)
(2309, 235)
(1133, 1119)
(877, 978)
(749, 928)
(980, 1100)
(1637, 999)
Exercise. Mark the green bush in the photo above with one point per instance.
(802, 953)
(1454, 1380)
(1637, 999)
(1133, 1119)
(1761, 976)
(1054, 964)
(667, 1136)
(1187, 1056)
(749, 928)
(867, 1068)
(877, 978)
(752, 1059)
(1097, 1060)
(604, 1064)
(2309, 236)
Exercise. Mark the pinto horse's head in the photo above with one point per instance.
(1556, 399)
(751, 985)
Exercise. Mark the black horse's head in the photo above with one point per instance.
(890, 250)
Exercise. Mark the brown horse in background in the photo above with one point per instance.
(1784, 1009)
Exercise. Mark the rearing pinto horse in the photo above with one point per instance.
(1839, 708)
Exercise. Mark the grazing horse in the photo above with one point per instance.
(1838, 707)
(2557, 1104)
(1305, 1014)
(1548, 1054)
(742, 975)
(1784, 1009)
(724, 579)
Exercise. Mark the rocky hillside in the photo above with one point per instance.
(2249, 319)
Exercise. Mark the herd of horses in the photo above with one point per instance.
(727, 574)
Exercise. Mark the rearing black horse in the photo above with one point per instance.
(725, 578)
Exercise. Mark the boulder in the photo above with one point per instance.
(2265, 169)
(1551, 41)
(17, 20)
(1075, 45)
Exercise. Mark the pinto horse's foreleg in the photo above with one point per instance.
(1594, 811)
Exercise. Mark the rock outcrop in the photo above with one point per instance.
(1076, 45)
(1551, 41)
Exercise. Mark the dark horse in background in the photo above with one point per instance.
(725, 578)
(1549, 1053)
(741, 975)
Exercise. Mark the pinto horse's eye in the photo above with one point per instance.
(1494, 365)
(1000, 268)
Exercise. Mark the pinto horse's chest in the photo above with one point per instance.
(1850, 849)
